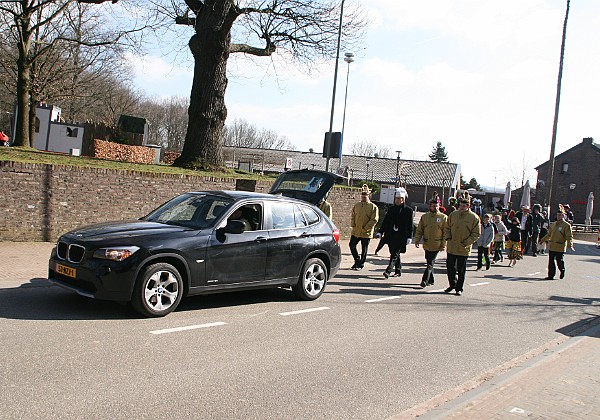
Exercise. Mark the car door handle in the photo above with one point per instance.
(260, 239)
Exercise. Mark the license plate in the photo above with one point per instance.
(66, 271)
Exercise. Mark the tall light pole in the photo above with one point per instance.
(398, 153)
(337, 59)
(348, 58)
(556, 108)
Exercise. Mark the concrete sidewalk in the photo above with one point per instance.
(558, 380)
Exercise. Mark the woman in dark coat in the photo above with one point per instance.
(397, 229)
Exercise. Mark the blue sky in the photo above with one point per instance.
(478, 75)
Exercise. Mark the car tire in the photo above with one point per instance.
(312, 280)
(158, 290)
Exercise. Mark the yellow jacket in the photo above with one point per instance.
(431, 229)
(462, 230)
(559, 236)
(364, 218)
(325, 207)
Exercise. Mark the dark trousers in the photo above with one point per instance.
(525, 241)
(483, 252)
(534, 242)
(364, 245)
(430, 257)
(559, 257)
(498, 251)
(395, 261)
(456, 266)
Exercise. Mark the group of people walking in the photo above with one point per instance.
(457, 229)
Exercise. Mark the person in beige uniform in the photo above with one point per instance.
(559, 237)
(461, 232)
(431, 230)
(364, 217)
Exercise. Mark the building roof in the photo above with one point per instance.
(587, 140)
(382, 170)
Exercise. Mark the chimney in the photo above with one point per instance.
(588, 140)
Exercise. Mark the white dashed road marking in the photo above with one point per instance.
(479, 284)
(383, 298)
(189, 327)
(533, 274)
(435, 291)
(322, 308)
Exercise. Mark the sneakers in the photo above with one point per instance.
(449, 289)
(458, 292)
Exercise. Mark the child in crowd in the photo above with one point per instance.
(514, 242)
(484, 242)
(501, 232)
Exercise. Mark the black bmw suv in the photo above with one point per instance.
(207, 242)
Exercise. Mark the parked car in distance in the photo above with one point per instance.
(201, 243)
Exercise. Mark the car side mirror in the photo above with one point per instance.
(232, 226)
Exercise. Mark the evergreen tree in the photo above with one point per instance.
(438, 153)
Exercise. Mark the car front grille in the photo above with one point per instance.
(70, 252)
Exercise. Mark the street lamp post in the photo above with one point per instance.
(348, 58)
(368, 162)
(398, 154)
(337, 59)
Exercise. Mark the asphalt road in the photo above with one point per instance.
(368, 348)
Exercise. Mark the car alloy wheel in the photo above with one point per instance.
(312, 281)
(158, 291)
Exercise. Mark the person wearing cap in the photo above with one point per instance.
(452, 205)
(461, 232)
(559, 237)
(431, 229)
(364, 217)
(397, 228)
(525, 227)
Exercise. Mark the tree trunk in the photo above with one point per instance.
(207, 111)
(23, 85)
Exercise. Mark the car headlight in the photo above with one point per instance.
(118, 253)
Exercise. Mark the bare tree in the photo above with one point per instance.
(519, 173)
(168, 121)
(304, 29)
(370, 148)
(240, 133)
(36, 28)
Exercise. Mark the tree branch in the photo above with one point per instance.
(248, 49)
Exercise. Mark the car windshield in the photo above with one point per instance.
(197, 211)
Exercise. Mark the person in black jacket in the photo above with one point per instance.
(397, 229)
(525, 228)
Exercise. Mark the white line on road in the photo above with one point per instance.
(322, 308)
(383, 298)
(533, 274)
(189, 327)
(479, 284)
(435, 291)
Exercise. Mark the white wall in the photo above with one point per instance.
(59, 139)
(39, 138)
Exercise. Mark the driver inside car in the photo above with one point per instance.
(238, 215)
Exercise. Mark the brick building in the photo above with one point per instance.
(576, 174)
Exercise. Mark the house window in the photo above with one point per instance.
(71, 132)
(565, 168)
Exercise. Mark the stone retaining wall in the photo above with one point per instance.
(40, 202)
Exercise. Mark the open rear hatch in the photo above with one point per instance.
(305, 184)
